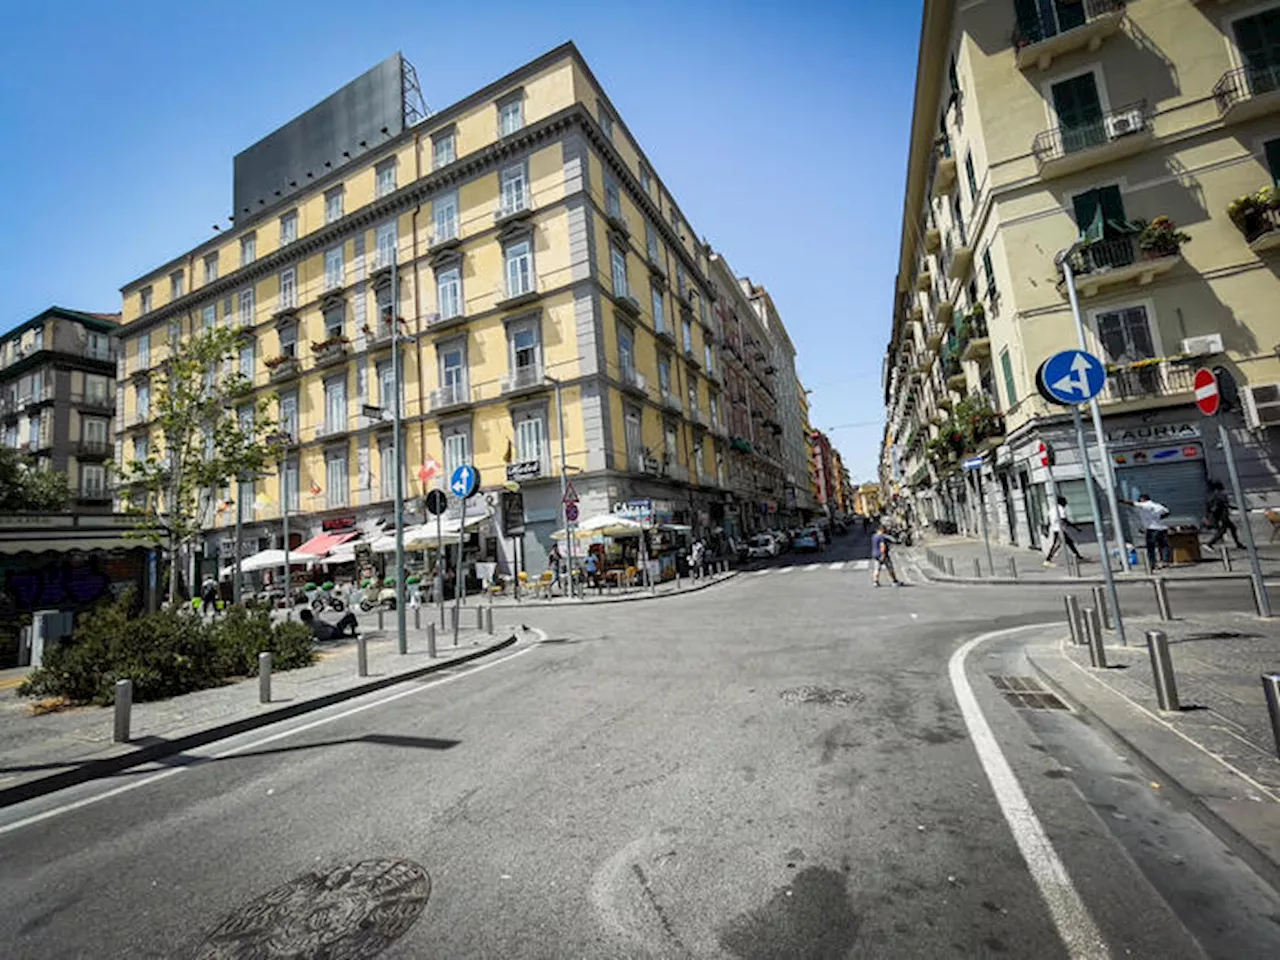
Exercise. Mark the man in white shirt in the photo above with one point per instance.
(1058, 524)
(1151, 515)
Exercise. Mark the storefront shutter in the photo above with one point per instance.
(1179, 486)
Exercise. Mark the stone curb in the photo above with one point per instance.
(933, 575)
(94, 769)
(632, 598)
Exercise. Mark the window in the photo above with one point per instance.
(248, 249)
(457, 452)
(335, 469)
(384, 311)
(606, 121)
(618, 263)
(97, 346)
(519, 268)
(1272, 151)
(94, 431)
(387, 470)
(708, 358)
(335, 321)
(1125, 335)
(177, 284)
(453, 373)
(288, 227)
(688, 336)
(1006, 370)
(957, 218)
(246, 307)
(510, 116)
(208, 317)
(514, 190)
(444, 149)
(144, 351)
(387, 387)
(141, 449)
(95, 387)
(670, 445)
(144, 300)
(530, 439)
(612, 201)
(385, 178)
(664, 375)
(289, 414)
(989, 271)
(972, 177)
(210, 267)
(634, 439)
(697, 458)
(445, 212)
(693, 395)
(335, 405)
(386, 239)
(449, 292)
(659, 322)
(93, 480)
(626, 352)
(288, 288)
(247, 351)
(953, 76)
(334, 272)
(1079, 110)
(289, 340)
(651, 242)
(333, 205)
(143, 401)
(290, 498)
(524, 353)
(646, 181)
(1258, 40)
(714, 405)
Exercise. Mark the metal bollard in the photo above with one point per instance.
(1271, 690)
(264, 678)
(677, 581)
(431, 640)
(453, 619)
(1074, 621)
(1013, 568)
(1162, 670)
(488, 621)
(417, 618)
(1097, 652)
(1100, 604)
(1226, 558)
(124, 707)
(1162, 598)
(362, 656)
(380, 623)
(977, 568)
(1146, 562)
(479, 618)
(951, 567)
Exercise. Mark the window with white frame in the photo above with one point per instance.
(651, 242)
(713, 404)
(141, 449)
(633, 436)
(333, 199)
(510, 116)
(626, 352)
(709, 359)
(385, 178)
(514, 189)
(335, 321)
(519, 260)
(449, 292)
(142, 401)
(94, 430)
(688, 336)
(612, 201)
(606, 121)
(288, 288)
(334, 270)
(670, 444)
(530, 438)
(96, 388)
(386, 240)
(697, 457)
(664, 375)
(693, 395)
(144, 300)
(618, 264)
(387, 470)
(246, 307)
(289, 500)
(289, 414)
(659, 319)
(247, 351)
(93, 480)
(387, 387)
(457, 450)
(209, 316)
(444, 149)
(453, 372)
(646, 180)
(248, 249)
(144, 351)
(385, 311)
(524, 353)
(288, 227)
(288, 340)
(335, 469)
(210, 267)
(335, 405)
(1125, 334)
(444, 211)
(177, 284)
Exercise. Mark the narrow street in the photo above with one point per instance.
(776, 767)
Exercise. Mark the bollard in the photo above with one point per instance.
(1226, 558)
(1162, 598)
(1146, 562)
(380, 618)
(1162, 670)
(264, 678)
(479, 618)
(1097, 652)
(431, 640)
(1013, 568)
(417, 618)
(362, 655)
(453, 622)
(1271, 690)
(488, 621)
(677, 581)
(124, 707)
(1100, 604)
(977, 568)
(1259, 590)
(1074, 621)
(951, 567)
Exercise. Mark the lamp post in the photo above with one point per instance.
(402, 641)
(564, 481)
(283, 441)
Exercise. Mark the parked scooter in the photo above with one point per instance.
(327, 598)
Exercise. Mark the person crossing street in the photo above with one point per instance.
(881, 556)
(1058, 529)
(1219, 510)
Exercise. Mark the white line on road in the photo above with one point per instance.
(862, 565)
(837, 566)
(1075, 926)
(785, 569)
(164, 774)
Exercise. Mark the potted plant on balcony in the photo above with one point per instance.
(329, 343)
(1161, 238)
(273, 363)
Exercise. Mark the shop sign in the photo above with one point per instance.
(1146, 434)
(639, 510)
(1156, 455)
(525, 470)
(337, 523)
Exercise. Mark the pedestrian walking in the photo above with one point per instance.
(554, 561)
(880, 542)
(209, 595)
(1218, 515)
(1058, 523)
(592, 566)
(695, 559)
(1152, 515)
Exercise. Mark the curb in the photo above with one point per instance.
(95, 769)
(931, 574)
(634, 598)
(1253, 856)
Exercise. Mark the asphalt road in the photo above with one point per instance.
(777, 767)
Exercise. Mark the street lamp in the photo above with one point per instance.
(283, 441)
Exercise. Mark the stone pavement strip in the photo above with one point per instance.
(41, 753)
(1218, 749)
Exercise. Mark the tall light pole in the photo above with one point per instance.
(235, 587)
(283, 440)
(402, 640)
(564, 481)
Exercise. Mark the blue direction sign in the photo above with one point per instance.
(464, 482)
(973, 463)
(1071, 377)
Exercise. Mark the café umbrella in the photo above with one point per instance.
(603, 525)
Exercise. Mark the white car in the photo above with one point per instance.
(762, 547)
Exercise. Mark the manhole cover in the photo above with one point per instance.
(827, 696)
(351, 912)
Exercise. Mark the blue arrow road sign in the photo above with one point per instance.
(464, 481)
(973, 463)
(1073, 376)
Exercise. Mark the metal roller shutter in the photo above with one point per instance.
(1179, 486)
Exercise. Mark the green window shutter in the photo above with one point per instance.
(1006, 368)
(1273, 159)
(1088, 211)
(1113, 211)
(1028, 17)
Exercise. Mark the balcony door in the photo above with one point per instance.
(1038, 19)
(1258, 40)
(1079, 110)
(1100, 218)
(1125, 335)
(453, 374)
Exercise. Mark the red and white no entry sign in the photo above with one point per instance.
(1206, 387)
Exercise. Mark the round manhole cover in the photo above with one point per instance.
(351, 912)
(826, 696)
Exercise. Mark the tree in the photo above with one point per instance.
(212, 430)
(24, 488)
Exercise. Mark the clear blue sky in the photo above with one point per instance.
(781, 128)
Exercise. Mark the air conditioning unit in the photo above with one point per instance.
(1262, 405)
(1202, 346)
(1123, 124)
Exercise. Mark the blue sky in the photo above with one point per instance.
(781, 128)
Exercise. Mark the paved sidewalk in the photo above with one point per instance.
(1218, 749)
(76, 743)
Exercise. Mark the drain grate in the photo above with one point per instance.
(1026, 693)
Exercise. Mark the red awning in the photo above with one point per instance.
(321, 545)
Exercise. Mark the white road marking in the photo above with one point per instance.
(862, 565)
(1075, 926)
(164, 774)
(760, 573)
(784, 569)
(837, 566)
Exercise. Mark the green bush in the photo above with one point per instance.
(165, 654)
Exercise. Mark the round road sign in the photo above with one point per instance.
(1207, 397)
(437, 503)
(571, 512)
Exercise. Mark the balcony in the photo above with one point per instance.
(1045, 31)
(628, 305)
(932, 239)
(924, 280)
(444, 239)
(38, 397)
(699, 419)
(378, 336)
(530, 379)
(1149, 380)
(443, 321)
(1256, 216)
(633, 382)
(961, 255)
(508, 296)
(9, 408)
(676, 472)
(954, 374)
(93, 449)
(331, 351)
(1119, 133)
(934, 333)
(618, 223)
(671, 400)
(94, 494)
(667, 334)
(283, 368)
(512, 208)
(1116, 262)
(942, 175)
(449, 397)
(1247, 92)
(976, 344)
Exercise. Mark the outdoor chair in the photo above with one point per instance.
(544, 583)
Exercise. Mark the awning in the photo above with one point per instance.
(343, 554)
(321, 545)
(267, 560)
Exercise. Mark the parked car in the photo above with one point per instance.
(808, 541)
(762, 547)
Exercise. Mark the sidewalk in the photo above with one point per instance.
(46, 752)
(1218, 750)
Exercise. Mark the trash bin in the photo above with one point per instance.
(1185, 542)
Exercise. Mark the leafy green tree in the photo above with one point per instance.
(24, 488)
(212, 431)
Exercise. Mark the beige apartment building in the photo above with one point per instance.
(1042, 126)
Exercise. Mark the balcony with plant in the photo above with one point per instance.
(330, 350)
(1136, 253)
(1255, 216)
(972, 334)
(1151, 378)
